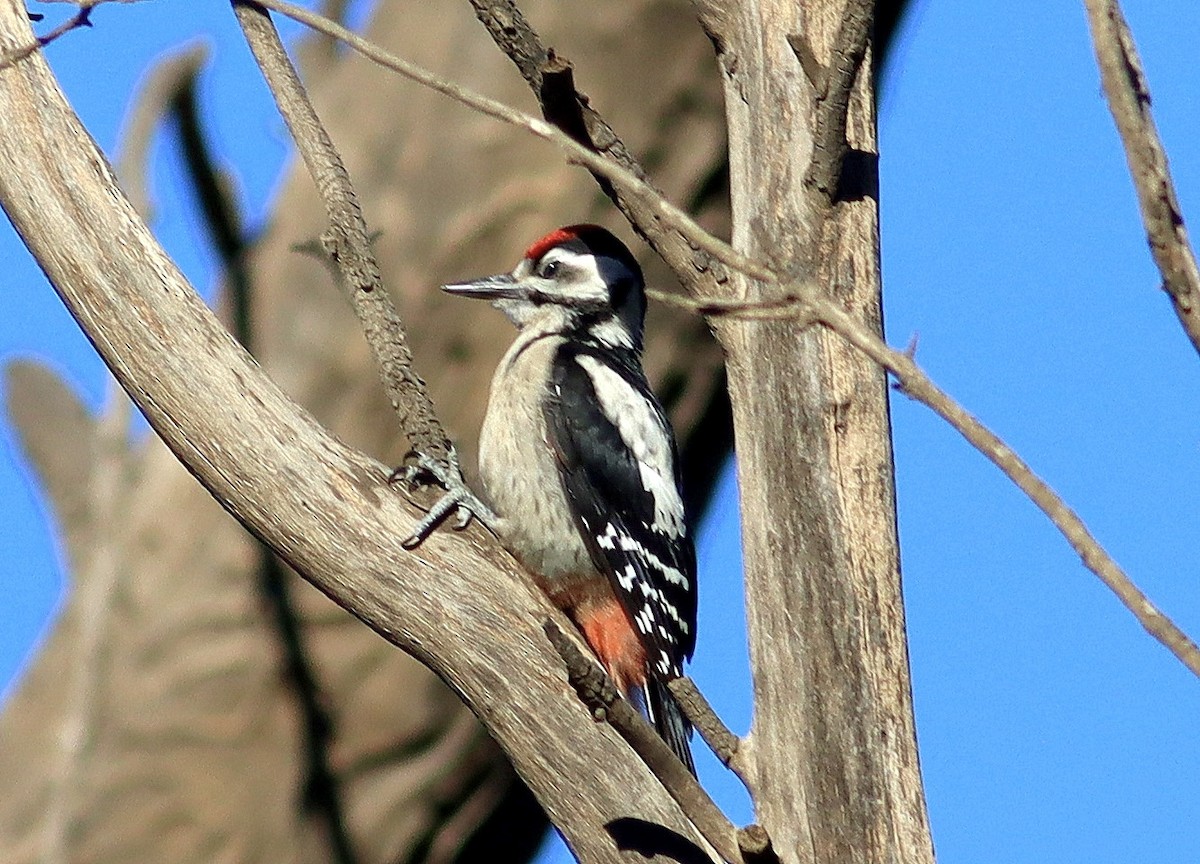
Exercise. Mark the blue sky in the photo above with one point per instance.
(1051, 727)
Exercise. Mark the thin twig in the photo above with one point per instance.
(915, 383)
(633, 185)
(347, 239)
(1128, 98)
(81, 18)
(566, 108)
(790, 305)
(597, 692)
(724, 744)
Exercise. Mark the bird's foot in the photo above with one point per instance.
(458, 498)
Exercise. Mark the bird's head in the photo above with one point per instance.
(580, 276)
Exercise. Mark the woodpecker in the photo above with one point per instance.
(580, 468)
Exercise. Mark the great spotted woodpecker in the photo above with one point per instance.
(579, 466)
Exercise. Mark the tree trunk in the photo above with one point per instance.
(832, 755)
(834, 759)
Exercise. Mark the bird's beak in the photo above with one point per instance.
(502, 287)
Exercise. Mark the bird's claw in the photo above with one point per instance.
(458, 498)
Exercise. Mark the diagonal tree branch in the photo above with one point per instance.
(347, 241)
(915, 383)
(1128, 97)
(695, 237)
(802, 302)
(81, 18)
(568, 109)
(322, 507)
(602, 699)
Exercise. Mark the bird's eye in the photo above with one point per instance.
(548, 269)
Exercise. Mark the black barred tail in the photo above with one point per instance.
(668, 719)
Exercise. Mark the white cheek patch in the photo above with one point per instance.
(645, 437)
(585, 282)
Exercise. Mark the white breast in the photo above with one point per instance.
(518, 469)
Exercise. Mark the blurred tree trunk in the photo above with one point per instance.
(190, 719)
(167, 669)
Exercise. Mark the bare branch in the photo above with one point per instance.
(915, 383)
(550, 80)
(724, 744)
(597, 692)
(1128, 98)
(347, 240)
(81, 18)
(633, 185)
(786, 304)
(218, 205)
(789, 305)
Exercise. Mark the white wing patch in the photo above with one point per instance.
(644, 435)
(613, 540)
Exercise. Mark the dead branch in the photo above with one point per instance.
(724, 744)
(915, 383)
(550, 80)
(599, 694)
(324, 508)
(81, 18)
(347, 241)
(633, 185)
(1128, 97)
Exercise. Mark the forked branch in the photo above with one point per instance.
(549, 77)
(649, 197)
(805, 299)
(347, 241)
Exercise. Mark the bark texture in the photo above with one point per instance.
(190, 698)
(834, 759)
(323, 507)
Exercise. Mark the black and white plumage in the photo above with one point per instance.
(620, 469)
(579, 463)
